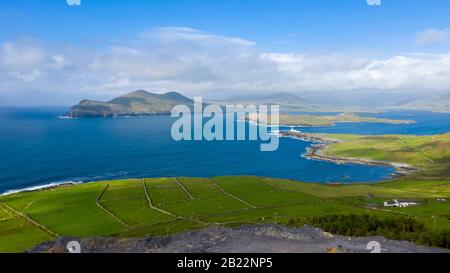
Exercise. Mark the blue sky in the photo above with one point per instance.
(277, 25)
(349, 34)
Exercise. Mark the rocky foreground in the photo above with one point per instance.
(245, 239)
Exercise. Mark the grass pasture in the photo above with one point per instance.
(126, 200)
(67, 211)
(194, 203)
(18, 234)
(164, 191)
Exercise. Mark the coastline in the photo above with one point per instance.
(315, 152)
(44, 187)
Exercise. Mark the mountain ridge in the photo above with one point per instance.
(438, 103)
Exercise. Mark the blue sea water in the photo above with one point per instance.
(38, 148)
(426, 123)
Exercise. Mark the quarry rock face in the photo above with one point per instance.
(245, 239)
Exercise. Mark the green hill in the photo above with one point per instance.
(136, 103)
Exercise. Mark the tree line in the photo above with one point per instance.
(399, 228)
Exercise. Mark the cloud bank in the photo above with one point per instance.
(432, 36)
(201, 63)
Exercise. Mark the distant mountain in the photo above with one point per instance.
(136, 103)
(285, 97)
(288, 102)
(277, 97)
(440, 103)
(351, 101)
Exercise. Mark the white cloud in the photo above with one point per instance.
(21, 55)
(26, 76)
(171, 34)
(59, 60)
(432, 36)
(199, 63)
(342, 72)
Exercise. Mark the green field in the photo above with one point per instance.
(123, 210)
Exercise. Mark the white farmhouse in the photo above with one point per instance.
(398, 204)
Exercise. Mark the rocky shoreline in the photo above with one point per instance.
(315, 151)
(45, 187)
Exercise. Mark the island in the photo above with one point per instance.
(136, 103)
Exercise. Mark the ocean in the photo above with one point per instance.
(39, 148)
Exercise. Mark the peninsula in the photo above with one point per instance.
(323, 120)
